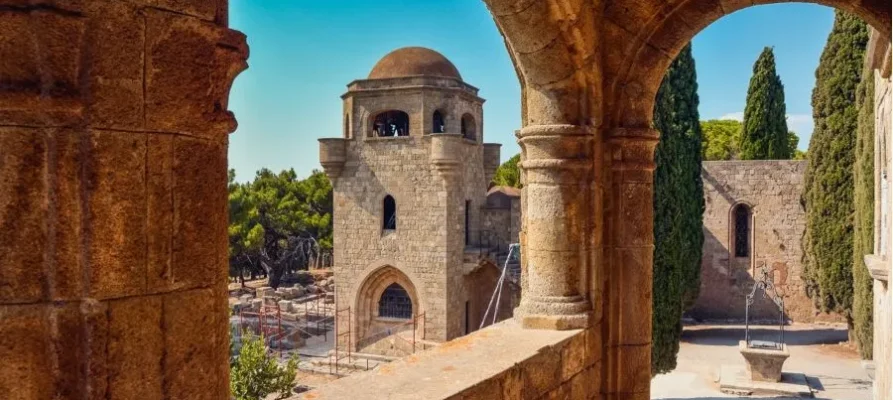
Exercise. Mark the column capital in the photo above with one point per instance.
(556, 153)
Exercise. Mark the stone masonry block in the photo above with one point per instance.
(542, 373)
(26, 351)
(81, 334)
(66, 159)
(200, 217)
(203, 9)
(116, 65)
(23, 211)
(116, 187)
(195, 342)
(135, 348)
(159, 211)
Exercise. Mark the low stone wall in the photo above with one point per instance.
(500, 362)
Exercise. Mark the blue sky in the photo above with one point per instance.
(305, 52)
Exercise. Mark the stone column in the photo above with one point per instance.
(113, 144)
(628, 275)
(557, 165)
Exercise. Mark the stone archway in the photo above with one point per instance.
(589, 76)
(366, 302)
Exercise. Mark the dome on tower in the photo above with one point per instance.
(414, 61)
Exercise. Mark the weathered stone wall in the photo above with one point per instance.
(113, 140)
(772, 190)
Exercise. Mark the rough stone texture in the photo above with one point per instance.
(113, 131)
(502, 361)
(431, 178)
(771, 190)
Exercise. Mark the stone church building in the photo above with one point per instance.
(415, 235)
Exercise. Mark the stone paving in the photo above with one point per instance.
(834, 371)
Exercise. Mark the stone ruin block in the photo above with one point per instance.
(265, 291)
(256, 304)
(284, 306)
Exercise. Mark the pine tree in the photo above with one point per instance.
(508, 174)
(765, 132)
(863, 222)
(678, 208)
(828, 182)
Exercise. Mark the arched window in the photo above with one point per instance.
(390, 123)
(347, 126)
(469, 129)
(438, 125)
(741, 218)
(395, 303)
(389, 217)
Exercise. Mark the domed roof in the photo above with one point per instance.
(414, 61)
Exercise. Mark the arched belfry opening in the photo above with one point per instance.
(395, 303)
(390, 123)
(469, 128)
(741, 228)
(437, 123)
(389, 214)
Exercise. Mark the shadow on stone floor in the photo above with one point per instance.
(729, 336)
(824, 382)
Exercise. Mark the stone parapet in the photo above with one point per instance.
(502, 361)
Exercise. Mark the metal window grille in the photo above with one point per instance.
(395, 303)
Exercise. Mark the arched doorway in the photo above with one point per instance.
(387, 302)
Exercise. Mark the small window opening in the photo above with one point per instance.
(389, 220)
(467, 222)
(346, 126)
(438, 125)
(742, 230)
(469, 129)
(395, 303)
(391, 123)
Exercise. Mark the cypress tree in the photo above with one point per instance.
(828, 182)
(765, 132)
(678, 208)
(863, 221)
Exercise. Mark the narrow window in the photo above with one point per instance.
(467, 222)
(742, 230)
(346, 126)
(438, 125)
(469, 129)
(389, 220)
(395, 303)
(390, 123)
(467, 320)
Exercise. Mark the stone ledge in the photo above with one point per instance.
(878, 268)
(501, 361)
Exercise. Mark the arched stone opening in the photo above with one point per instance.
(740, 229)
(389, 123)
(589, 76)
(469, 127)
(391, 285)
(438, 122)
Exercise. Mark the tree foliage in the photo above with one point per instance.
(828, 182)
(508, 173)
(722, 137)
(278, 222)
(254, 374)
(764, 135)
(863, 221)
(678, 208)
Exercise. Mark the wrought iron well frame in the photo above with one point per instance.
(767, 286)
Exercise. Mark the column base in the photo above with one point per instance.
(555, 313)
